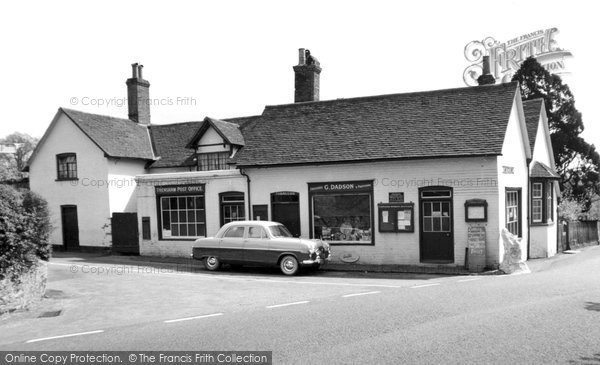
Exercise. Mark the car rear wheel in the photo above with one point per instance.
(289, 265)
(212, 263)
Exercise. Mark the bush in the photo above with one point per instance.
(24, 232)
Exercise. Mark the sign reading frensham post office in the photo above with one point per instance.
(506, 58)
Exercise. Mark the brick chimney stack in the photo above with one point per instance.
(486, 77)
(306, 77)
(138, 96)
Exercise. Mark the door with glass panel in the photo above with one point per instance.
(436, 225)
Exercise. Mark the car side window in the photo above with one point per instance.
(256, 232)
(234, 232)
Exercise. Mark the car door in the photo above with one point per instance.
(256, 245)
(232, 244)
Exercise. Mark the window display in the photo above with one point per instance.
(342, 212)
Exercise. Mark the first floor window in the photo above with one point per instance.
(513, 215)
(182, 216)
(213, 161)
(342, 212)
(66, 166)
(232, 207)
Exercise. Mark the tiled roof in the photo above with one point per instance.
(540, 170)
(454, 122)
(230, 132)
(116, 137)
(170, 141)
(532, 109)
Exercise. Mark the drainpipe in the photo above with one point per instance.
(528, 209)
(243, 173)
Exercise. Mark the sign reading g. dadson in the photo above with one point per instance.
(341, 187)
(189, 189)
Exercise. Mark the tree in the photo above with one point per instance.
(577, 161)
(12, 165)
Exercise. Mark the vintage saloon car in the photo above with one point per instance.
(260, 243)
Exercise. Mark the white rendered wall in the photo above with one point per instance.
(92, 202)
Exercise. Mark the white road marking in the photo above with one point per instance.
(64, 336)
(357, 294)
(190, 318)
(424, 285)
(465, 280)
(287, 304)
(224, 277)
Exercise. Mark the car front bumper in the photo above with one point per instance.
(316, 262)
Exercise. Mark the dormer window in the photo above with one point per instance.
(213, 161)
(66, 166)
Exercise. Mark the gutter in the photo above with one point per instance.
(243, 173)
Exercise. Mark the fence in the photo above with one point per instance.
(575, 234)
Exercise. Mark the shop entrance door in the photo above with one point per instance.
(436, 225)
(285, 209)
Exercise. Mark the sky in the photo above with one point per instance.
(231, 58)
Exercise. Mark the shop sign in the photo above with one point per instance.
(508, 170)
(477, 247)
(341, 187)
(396, 198)
(189, 189)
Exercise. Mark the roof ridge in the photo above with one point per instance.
(415, 93)
(99, 115)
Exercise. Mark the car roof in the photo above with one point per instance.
(258, 223)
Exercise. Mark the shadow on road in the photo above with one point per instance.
(594, 359)
(591, 306)
(189, 265)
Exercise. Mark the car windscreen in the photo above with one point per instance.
(280, 231)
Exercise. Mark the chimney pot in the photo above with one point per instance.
(301, 56)
(140, 69)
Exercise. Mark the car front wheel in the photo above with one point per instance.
(289, 265)
(212, 263)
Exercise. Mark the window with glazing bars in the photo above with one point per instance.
(513, 216)
(66, 166)
(213, 161)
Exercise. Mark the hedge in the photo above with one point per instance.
(24, 232)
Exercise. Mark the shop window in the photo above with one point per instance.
(182, 216)
(513, 211)
(542, 201)
(342, 213)
(232, 207)
(66, 166)
(213, 161)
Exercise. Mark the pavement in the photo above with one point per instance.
(123, 303)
